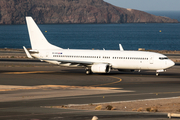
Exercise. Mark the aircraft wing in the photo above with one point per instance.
(85, 63)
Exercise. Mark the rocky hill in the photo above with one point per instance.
(72, 11)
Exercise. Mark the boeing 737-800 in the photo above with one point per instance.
(94, 61)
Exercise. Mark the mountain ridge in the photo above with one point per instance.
(73, 11)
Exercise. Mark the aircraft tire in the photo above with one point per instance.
(88, 72)
(157, 74)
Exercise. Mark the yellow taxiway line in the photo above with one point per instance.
(30, 72)
(119, 80)
(13, 88)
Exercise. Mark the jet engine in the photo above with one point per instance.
(100, 68)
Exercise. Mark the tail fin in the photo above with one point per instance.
(38, 41)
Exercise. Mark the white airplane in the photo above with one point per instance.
(94, 61)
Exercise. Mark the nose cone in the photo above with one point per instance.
(170, 63)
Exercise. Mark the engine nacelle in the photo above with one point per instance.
(100, 68)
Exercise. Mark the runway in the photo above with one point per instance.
(27, 85)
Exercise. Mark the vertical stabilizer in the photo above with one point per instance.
(38, 41)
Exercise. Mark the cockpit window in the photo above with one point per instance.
(163, 58)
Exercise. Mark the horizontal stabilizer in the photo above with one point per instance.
(27, 52)
(33, 51)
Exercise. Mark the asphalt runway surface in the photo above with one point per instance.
(28, 85)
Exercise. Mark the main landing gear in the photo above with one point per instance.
(88, 71)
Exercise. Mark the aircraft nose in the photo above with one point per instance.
(171, 63)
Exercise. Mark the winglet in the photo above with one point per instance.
(120, 47)
(27, 52)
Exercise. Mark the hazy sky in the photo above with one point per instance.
(148, 5)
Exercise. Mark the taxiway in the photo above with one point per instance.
(27, 85)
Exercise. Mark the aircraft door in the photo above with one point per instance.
(140, 64)
(151, 60)
(47, 54)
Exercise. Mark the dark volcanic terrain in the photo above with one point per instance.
(72, 11)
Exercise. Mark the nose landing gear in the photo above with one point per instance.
(158, 71)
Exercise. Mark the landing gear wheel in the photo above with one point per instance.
(157, 74)
(88, 72)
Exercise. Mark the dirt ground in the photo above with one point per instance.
(166, 105)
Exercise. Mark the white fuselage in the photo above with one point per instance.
(135, 60)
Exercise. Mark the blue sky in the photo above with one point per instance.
(148, 5)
